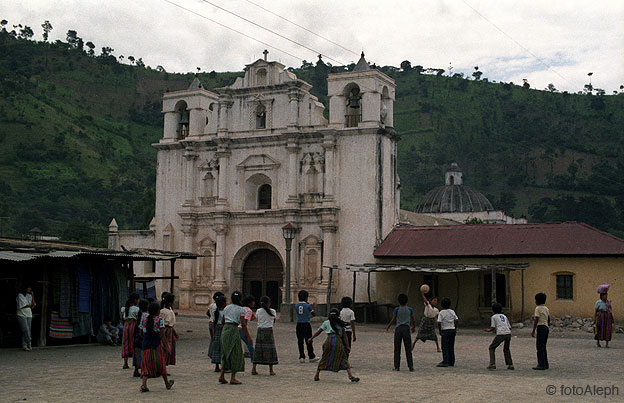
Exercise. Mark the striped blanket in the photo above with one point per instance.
(60, 328)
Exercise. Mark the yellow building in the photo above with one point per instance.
(567, 261)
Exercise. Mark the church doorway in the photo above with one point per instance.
(262, 275)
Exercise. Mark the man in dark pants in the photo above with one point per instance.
(542, 325)
(403, 316)
(304, 311)
(447, 325)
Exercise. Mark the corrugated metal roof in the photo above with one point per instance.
(432, 268)
(558, 239)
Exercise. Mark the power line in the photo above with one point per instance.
(302, 27)
(539, 59)
(232, 29)
(271, 31)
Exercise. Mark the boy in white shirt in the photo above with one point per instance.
(501, 325)
(348, 316)
(447, 325)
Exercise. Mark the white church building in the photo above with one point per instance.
(237, 164)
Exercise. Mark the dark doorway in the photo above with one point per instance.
(262, 275)
(501, 289)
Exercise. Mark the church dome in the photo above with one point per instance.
(454, 196)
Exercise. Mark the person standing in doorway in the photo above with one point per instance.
(25, 303)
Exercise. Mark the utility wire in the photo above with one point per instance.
(539, 59)
(271, 31)
(232, 29)
(302, 27)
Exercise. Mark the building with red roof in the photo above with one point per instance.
(476, 264)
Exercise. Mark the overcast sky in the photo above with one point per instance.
(556, 41)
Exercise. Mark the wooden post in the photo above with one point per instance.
(522, 289)
(368, 288)
(508, 286)
(131, 275)
(172, 274)
(353, 297)
(329, 285)
(44, 308)
(493, 273)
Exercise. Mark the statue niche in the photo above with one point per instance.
(311, 273)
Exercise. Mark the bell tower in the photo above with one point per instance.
(363, 97)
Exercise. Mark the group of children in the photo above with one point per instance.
(149, 337)
(446, 321)
(229, 331)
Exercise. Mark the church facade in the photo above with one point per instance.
(237, 164)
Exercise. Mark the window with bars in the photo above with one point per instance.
(564, 286)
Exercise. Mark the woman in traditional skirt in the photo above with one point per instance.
(217, 327)
(138, 339)
(171, 336)
(232, 358)
(265, 352)
(335, 348)
(129, 317)
(603, 318)
(428, 324)
(153, 355)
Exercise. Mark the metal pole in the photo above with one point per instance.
(493, 272)
(329, 285)
(522, 286)
(172, 274)
(354, 273)
(288, 249)
(368, 288)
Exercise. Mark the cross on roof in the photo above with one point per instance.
(265, 53)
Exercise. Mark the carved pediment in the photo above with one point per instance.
(210, 164)
(258, 162)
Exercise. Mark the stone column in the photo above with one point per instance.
(225, 103)
(197, 121)
(189, 181)
(170, 125)
(186, 278)
(293, 171)
(113, 235)
(220, 281)
(329, 144)
(293, 114)
(223, 153)
(329, 239)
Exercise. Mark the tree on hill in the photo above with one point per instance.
(91, 47)
(47, 27)
(3, 24)
(26, 32)
(74, 41)
(131, 58)
(477, 74)
(106, 51)
(551, 87)
(406, 65)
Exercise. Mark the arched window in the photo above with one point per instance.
(260, 117)
(264, 197)
(261, 77)
(183, 120)
(353, 114)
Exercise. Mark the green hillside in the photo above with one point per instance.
(76, 129)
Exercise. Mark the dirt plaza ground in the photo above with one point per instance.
(93, 372)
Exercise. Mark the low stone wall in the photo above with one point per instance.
(567, 322)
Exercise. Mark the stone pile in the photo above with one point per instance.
(567, 322)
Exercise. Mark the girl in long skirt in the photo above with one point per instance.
(129, 317)
(428, 324)
(171, 336)
(232, 358)
(217, 327)
(265, 352)
(153, 355)
(335, 348)
(138, 339)
(603, 318)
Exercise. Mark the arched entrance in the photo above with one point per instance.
(262, 275)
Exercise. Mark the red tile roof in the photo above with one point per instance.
(569, 238)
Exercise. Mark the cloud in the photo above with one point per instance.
(509, 40)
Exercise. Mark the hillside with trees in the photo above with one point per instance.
(76, 128)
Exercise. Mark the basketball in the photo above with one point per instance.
(424, 288)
